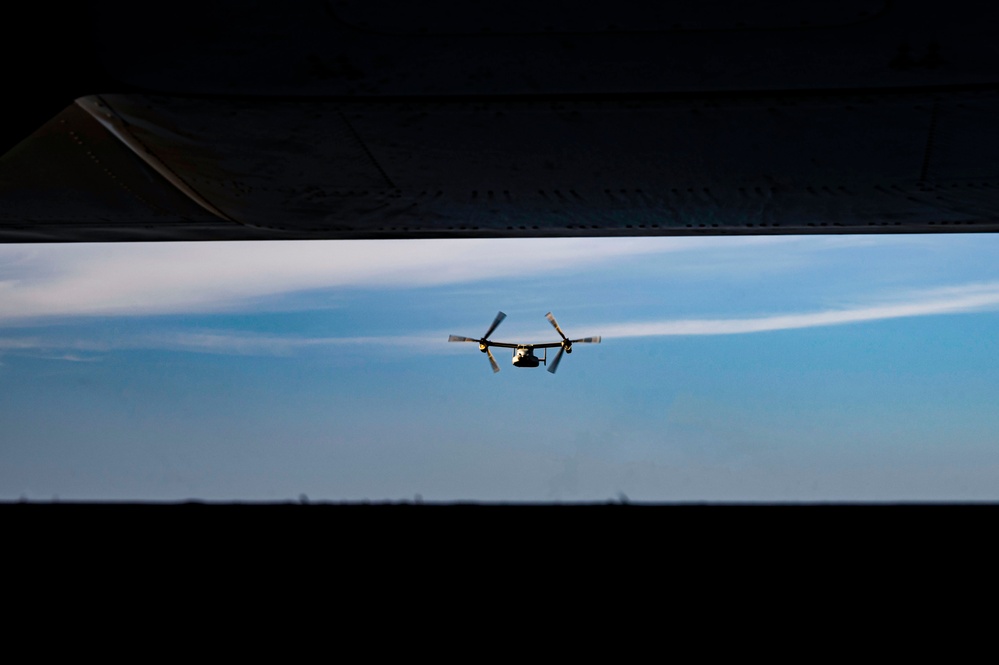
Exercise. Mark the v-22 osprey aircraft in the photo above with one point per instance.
(523, 354)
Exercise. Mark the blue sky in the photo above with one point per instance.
(839, 368)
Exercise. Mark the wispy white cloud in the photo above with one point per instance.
(242, 343)
(70, 357)
(53, 349)
(948, 300)
(19, 343)
(221, 342)
(159, 278)
(39, 281)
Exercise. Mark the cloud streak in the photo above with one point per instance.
(239, 343)
(943, 301)
(950, 300)
(127, 279)
(220, 342)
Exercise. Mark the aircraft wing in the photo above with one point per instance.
(507, 345)
(386, 119)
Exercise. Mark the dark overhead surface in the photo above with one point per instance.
(382, 119)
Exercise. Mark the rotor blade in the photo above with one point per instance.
(551, 320)
(492, 361)
(558, 359)
(498, 320)
(459, 338)
(587, 340)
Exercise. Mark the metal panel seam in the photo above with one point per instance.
(117, 127)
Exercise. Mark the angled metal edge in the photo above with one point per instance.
(117, 127)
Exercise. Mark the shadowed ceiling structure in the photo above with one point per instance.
(387, 119)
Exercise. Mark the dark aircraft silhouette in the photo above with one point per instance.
(440, 119)
(523, 353)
